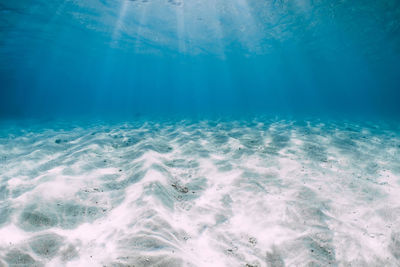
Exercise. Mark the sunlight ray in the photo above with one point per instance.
(249, 34)
(119, 23)
(215, 16)
(180, 19)
(139, 31)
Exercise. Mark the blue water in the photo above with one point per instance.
(122, 57)
(199, 133)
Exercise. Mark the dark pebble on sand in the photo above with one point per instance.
(181, 189)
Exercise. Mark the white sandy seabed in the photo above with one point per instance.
(264, 192)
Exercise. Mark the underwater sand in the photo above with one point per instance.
(265, 192)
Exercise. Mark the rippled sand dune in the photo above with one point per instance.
(265, 192)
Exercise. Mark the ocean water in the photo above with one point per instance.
(199, 133)
(190, 57)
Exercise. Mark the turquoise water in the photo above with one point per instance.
(199, 133)
(188, 57)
